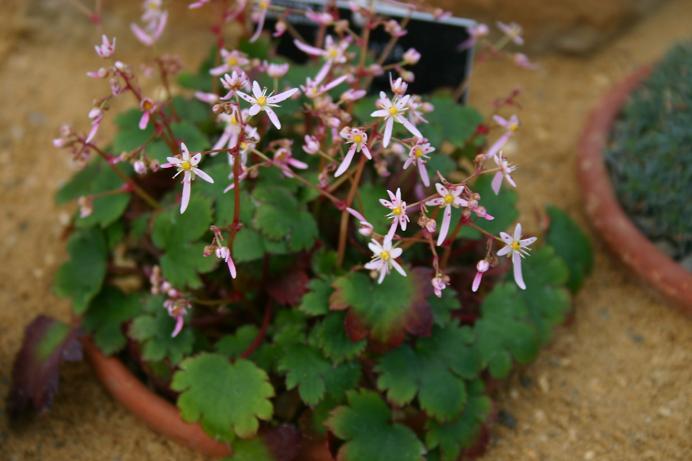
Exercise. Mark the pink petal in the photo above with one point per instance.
(256, 90)
(179, 322)
(185, 199)
(254, 110)
(518, 276)
(260, 26)
(272, 116)
(346, 162)
(203, 175)
(282, 96)
(144, 121)
(476, 281)
(218, 70)
(398, 268)
(517, 231)
(409, 126)
(444, 228)
(246, 97)
(364, 149)
(223, 139)
(496, 184)
(308, 49)
(231, 267)
(388, 132)
(423, 171)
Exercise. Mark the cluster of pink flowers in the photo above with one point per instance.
(154, 20)
(393, 138)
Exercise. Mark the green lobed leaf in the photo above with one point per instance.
(547, 300)
(175, 233)
(382, 307)
(279, 217)
(81, 277)
(234, 345)
(453, 436)
(188, 133)
(316, 301)
(366, 426)
(433, 371)
(106, 315)
(504, 331)
(450, 122)
(443, 306)
(182, 264)
(172, 228)
(226, 398)
(153, 331)
(247, 246)
(329, 335)
(571, 244)
(305, 368)
(503, 207)
(129, 137)
(253, 449)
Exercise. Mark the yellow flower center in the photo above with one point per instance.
(384, 255)
(418, 152)
(147, 105)
(358, 138)
(393, 111)
(243, 145)
(232, 61)
(449, 199)
(333, 53)
(396, 211)
(186, 165)
(263, 4)
(516, 246)
(262, 100)
(513, 127)
(233, 120)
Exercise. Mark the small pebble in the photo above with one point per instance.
(589, 455)
(507, 419)
(525, 381)
(636, 337)
(539, 415)
(544, 384)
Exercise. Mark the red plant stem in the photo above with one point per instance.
(131, 184)
(343, 226)
(449, 241)
(261, 334)
(159, 121)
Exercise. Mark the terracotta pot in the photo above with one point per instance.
(162, 416)
(604, 210)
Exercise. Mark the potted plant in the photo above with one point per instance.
(304, 269)
(635, 169)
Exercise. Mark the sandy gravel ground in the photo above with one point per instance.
(614, 385)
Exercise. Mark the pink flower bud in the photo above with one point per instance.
(312, 145)
(411, 56)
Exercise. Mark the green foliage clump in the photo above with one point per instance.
(303, 337)
(650, 154)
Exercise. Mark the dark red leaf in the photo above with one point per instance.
(290, 288)
(284, 442)
(419, 320)
(355, 329)
(36, 371)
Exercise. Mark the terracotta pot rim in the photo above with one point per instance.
(606, 215)
(159, 414)
(163, 417)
